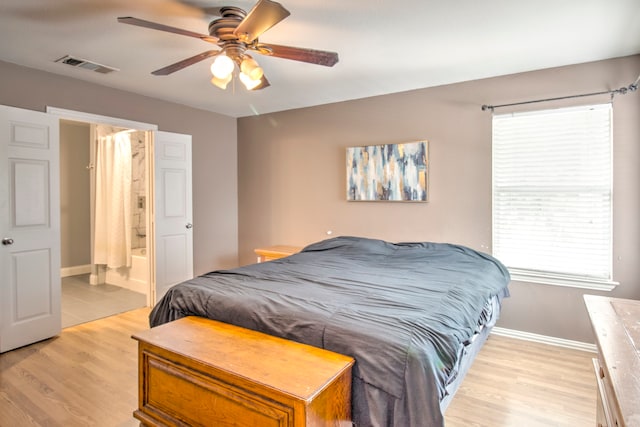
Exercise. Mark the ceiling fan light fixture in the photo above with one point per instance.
(222, 83)
(250, 67)
(248, 82)
(236, 32)
(222, 67)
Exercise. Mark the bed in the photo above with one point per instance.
(412, 315)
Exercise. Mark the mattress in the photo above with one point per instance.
(406, 312)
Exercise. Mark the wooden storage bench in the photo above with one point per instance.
(199, 372)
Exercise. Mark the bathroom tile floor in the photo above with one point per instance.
(83, 302)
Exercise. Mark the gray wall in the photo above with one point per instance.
(75, 213)
(215, 195)
(290, 185)
(292, 177)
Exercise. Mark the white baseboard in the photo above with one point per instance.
(75, 270)
(544, 339)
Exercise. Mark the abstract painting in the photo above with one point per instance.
(390, 172)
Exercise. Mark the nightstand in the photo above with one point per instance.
(269, 253)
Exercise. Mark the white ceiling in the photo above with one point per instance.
(385, 46)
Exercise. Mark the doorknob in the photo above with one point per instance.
(7, 241)
(189, 225)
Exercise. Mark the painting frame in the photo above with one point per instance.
(396, 172)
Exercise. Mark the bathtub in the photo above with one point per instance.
(135, 278)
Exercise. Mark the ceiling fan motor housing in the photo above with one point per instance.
(223, 29)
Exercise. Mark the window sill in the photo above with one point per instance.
(562, 280)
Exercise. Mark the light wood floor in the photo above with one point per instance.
(88, 377)
(519, 383)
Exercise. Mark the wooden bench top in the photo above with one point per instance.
(297, 369)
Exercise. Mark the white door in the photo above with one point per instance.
(173, 212)
(29, 227)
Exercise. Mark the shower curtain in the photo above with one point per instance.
(112, 233)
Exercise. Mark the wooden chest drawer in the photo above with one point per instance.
(606, 413)
(199, 372)
(616, 326)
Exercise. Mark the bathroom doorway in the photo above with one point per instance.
(104, 188)
(33, 150)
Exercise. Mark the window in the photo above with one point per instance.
(552, 185)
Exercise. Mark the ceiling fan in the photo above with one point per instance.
(236, 32)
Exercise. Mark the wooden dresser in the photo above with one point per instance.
(616, 324)
(199, 372)
(269, 253)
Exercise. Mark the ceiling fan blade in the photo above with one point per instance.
(155, 26)
(264, 15)
(319, 57)
(184, 63)
(263, 83)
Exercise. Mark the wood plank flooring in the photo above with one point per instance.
(519, 383)
(88, 377)
(85, 377)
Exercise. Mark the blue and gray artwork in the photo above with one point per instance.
(393, 172)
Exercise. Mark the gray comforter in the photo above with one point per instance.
(403, 311)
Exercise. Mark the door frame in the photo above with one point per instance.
(79, 116)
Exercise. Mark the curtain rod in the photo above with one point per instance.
(622, 91)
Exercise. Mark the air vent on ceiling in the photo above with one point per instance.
(86, 64)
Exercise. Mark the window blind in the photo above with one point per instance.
(552, 185)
